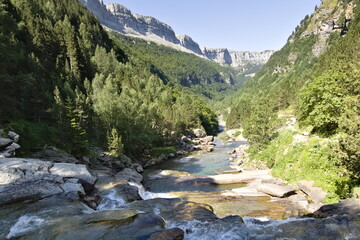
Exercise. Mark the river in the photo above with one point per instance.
(261, 217)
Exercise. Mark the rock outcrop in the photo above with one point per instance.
(30, 179)
(119, 18)
(8, 143)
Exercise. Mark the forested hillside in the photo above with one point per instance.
(315, 79)
(197, 75)
(65, 82)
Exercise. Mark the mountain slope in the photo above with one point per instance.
(65, 82)
(122, 20)
(313, 79)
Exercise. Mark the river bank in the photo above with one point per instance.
(68, 200)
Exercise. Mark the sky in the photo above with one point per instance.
(251, 25)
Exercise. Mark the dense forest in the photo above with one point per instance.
(65, 82)
(320, 90)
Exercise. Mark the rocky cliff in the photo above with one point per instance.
(121, 19)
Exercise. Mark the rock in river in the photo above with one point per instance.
(276, 190)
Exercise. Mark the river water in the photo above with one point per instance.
(262, 217)
(220, 197)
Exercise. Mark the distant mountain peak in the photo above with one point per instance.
(119, 18)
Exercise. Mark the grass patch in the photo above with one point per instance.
(158, 151)
(237, 133)
(33, 135)
(224, 136)
(311, 160)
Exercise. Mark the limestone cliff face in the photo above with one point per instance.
(237, 59)
(121, 19)
(140, 25)
(190, 44)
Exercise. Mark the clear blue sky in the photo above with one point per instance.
(252, 25)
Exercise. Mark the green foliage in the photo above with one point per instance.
(295, 161)
(196, 74)
(158, 151)
(321, 103)
(324, 92)
(116, 146)
(59, 68)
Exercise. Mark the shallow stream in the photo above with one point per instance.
(261, 216)
(212, 163)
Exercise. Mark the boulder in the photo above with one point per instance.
(127, 192)
(72, 187)
(209, 148)
(28, 191)
(198, 133)
(169, 234)
(316, 194)
(207, 139)
(4, 143)
(345, 207)
(276, 190)
(129, 175)
(21, 170)
(13, 136)
(185, 139)
(67, 170)
(137, 167)
(32, 179)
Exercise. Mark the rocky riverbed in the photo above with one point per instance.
(56, 196)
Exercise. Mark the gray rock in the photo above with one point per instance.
(127, 192)
(189, 43)
(28, 191)
(67, 170)
(72, 187)
(22, 170)
(4, 143)
(168, 234)
(33, 179)
(13, 136)
(207, 139)
(129, 175)
(137, 167)
(209, 148)
(199, 133)
(316, 194)
(185, 139)
(345, 207)
(276, 190)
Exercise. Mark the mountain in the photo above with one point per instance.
(121, 19)
(65, 82)
(301, 111)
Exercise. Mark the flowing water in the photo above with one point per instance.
(262, 216)
(158, 181)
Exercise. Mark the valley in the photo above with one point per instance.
(113, 126)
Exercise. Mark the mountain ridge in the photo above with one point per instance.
(119, 18)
